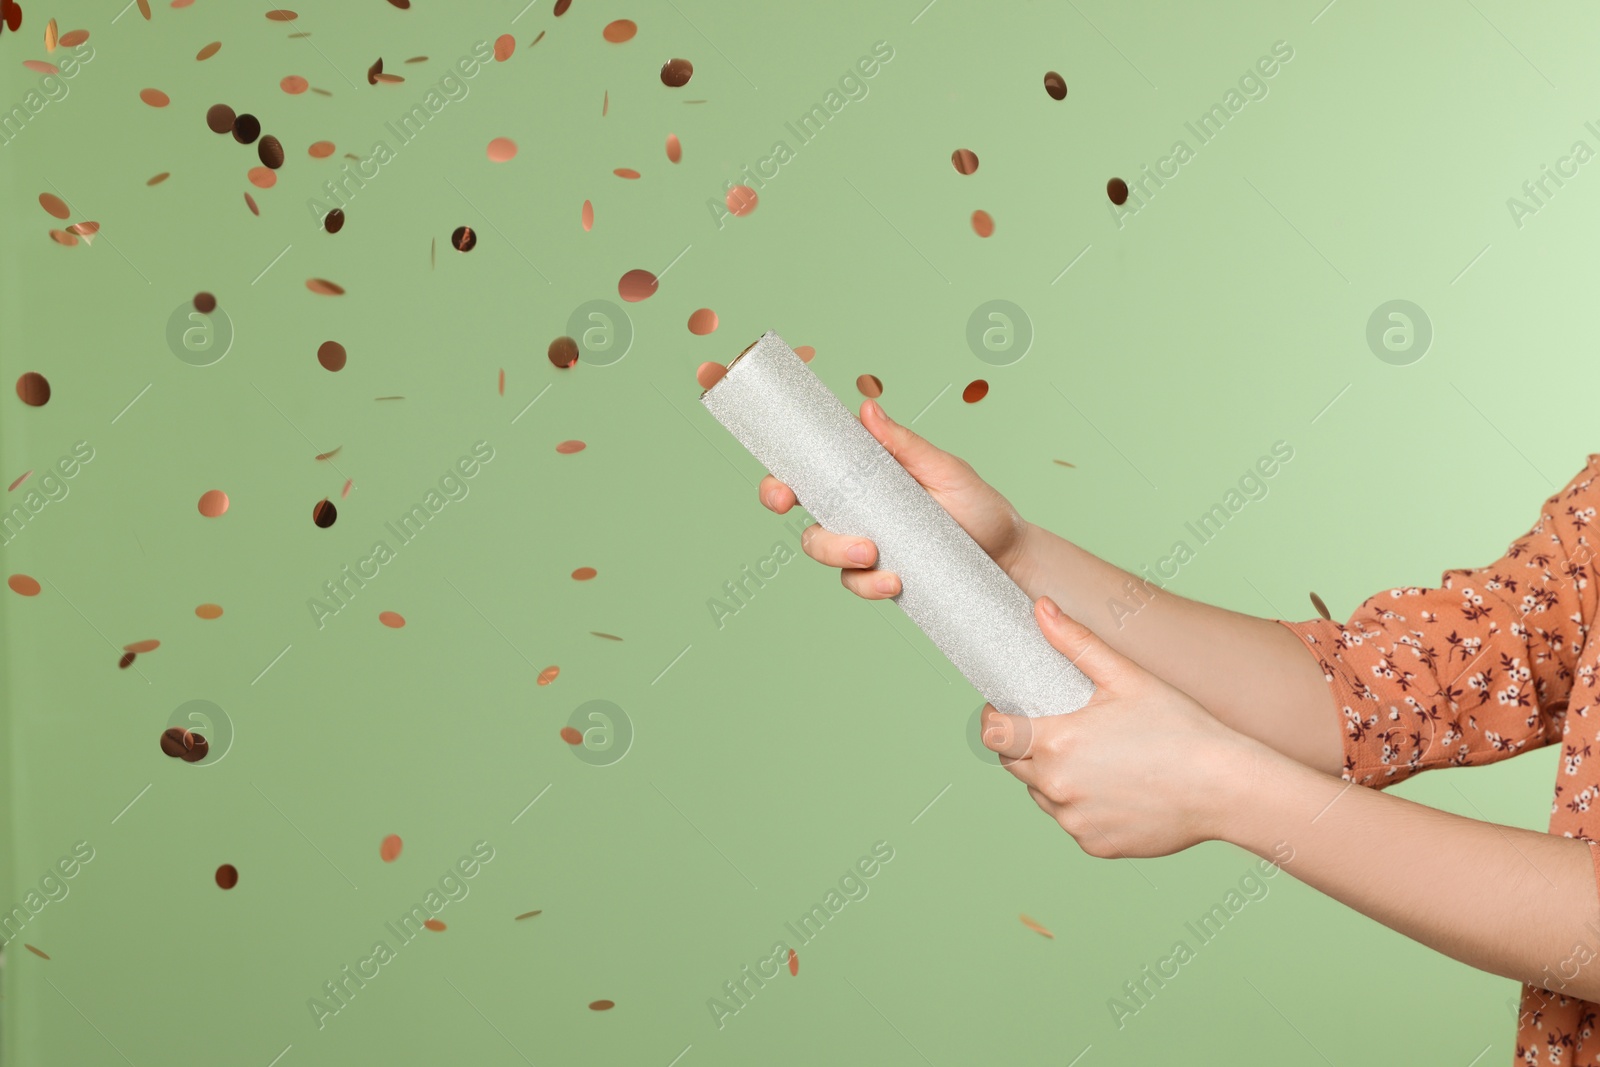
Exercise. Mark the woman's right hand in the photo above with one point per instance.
(977, 506)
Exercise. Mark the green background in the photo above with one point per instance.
(770, 754)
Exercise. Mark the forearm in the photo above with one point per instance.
(1251, 673)
(1517, 903)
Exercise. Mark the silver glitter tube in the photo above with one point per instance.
(950, 587)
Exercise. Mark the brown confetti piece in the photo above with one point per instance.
(320, 149)
(1055, 85)
(328, 455)
(388, 398)
(626, 172)
(12, 487)
(62, 237)
(209, 611)
(709, 374)
(198, 752)
(504, 45)
(1322, 609)
(319, 92)
(346, 490)
(741, 200)
(159, 178)
(74, 38)
(605, 103)
(529, 914)
(435, 925)
(324, 514)
(548, 675)
(619, 31)
(392, 79)
(250, 202)
(154, 97)
(35, 951)
(208, 51)
(982, 223)
(220, 118)
(33, 389)
(403, 5)
(246, 128)
(126, 661)
(177, 742)
(502, 150)
(1117, 190)
(502, 381)
(1036, 928)
(675, 73)
(870, 386)
(141, 647)
(583, 574)
(177, 4)
(674, 148)
(374, 70)
(567, 448)
(975, 391)
(563, 352)
(794, 962)
(571, 736)
(587, 216)
(433, 249)
(389, 850)
(702, 321)
(806, 353)
(417, 59)
(324, 287)
(213, 502)
(54, 205)
(51, 34)
(608, 637)
(11, 11)
(262, 177)
(392, 619)
(602, 1005)
(85, 230)
(561, 7)
(282, 14)
(205, 303)
(636, 285)
(464, 239)
(23, 585)
(965, 160)
(227, 876)
(294, 85)
(39, 66)
(1064, 463)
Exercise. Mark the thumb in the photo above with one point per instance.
(928, 464)
(1104, 665)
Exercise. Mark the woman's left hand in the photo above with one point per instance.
(1140, 770)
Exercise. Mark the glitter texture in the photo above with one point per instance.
(971, 609)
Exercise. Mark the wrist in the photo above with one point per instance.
(1018, 560)
(1252, 783)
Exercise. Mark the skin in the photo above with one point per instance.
(1211, 725)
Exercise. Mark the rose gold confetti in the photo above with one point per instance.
(619, 31)
(85, 229)
(869, 385)
(154, 97)
(675, 73)
(346, 490)
(12, 487)
(141, 647)
(263, 177)
(324, 514)
(982, 223)
(331, 355)
(321, 149)
(602, 1005)
(583, 574)
(324, 287)
(392, 619)
(213, 502)
(1322, 609)
(250, 202)
(588, 216)
(674, 148)
(975, 391)
(502, 381)
(464, 239)
(548, 675)
(626, 172)
(529, 914)
(608, 637)
(537, 39)
(389, 850)
(208, 51)
(33, 389)
(502, 150)
(1035, 927)
(209, 611)
(403, 5)
(636, 285)
(51, 34)
(1117, 190)
(561, 8)
(1055, 85)
(1064, 463)
(563, 352)
(159, 178)
(74, 38)
(374, 70)
(964, 160)
(282, 14)
(227, 876)
(567, 448)
(35, 951)
(390, 79)
(54, 205)
(709, 374)
(328, 455)
(806, 353)
(702, 322)
(794, 962)
(504, 45)
(294, 85)
(23, 585)
(571, 736)
(126, 661)
(741, 200)
(62, 237)
(435, 925)
(39, 66)
(605, 103)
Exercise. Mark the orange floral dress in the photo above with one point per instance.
(1495, 661)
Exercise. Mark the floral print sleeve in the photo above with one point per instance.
(1478, 669)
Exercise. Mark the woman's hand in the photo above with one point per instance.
(976, 505)
(1141, 770)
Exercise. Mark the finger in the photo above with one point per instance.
(837, 550)
(928, 464)
(871, 584)
(775, 495)
(1011, 736)
(1048, 806)
(1104, 665)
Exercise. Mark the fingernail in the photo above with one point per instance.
(1050, 608)
(886, 584)
(860, 553)
(872, 408)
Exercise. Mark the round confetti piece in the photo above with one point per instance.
(246, 128)
(702, 321)
(62, 237)
(159, 178)
(464, 239)
(213, 502)
(262, 177)
(205, 303)
(392, 619)
(1316, 602)
(35, 951)
(270, 151)
(220, 118)
(282, 14)
(23, 585)
(250, 202)
(626, 172)
(561, 8)
(563, 352)
(177, 742)
(333, 221)
(197, 751)
(636, 285)
(320, 149)
(126, 661)
(504, 45)
(964, 160)
(154, 97)
(227, 876)
(709, 374)
(208, 51)
(870, 386)
(73, 38)
(975, 391)
(674, 148)
(587, 216)
(324, 514)
(1117, 190)
(54, 205)
(435, 925)
(85, 229)
(675, 73)
(619, 31)
(389, 850)
(39, 66)
(741, 200)
(794, 962)
(567, 448)
(294, 85)
(209, 611)
(141, 647)
(806, 353)
(982, 223)
(502, 150)
(548, 675)
(323, 287)
(1055, 85)
(602, 1005)
(33, 389)
(571, 736)
(583, 574)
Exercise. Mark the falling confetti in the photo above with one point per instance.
(246, 128)
(177, 742)
(583, 574)
(154, 97)
(392, 619)
(1322, 609)
(965, 160)
(62, 237)
(74, 38)
(321, 149)
(741, 200)
(262, 177)
(548, 675)
(504, 45)
(1117, 190)
(270, 151)
(502, 381)
(605, 103)
(464, 239)
(331, 355)
(702, 322)
(333, 221)
(1036, 928)
(636, 285)
(126, 661)
(51, 34)
(24, 477)
(559, 10)
(502, 150)
(587, 216)
(602, 1005)
(346, 490)
(608, 637)
(141, 647)
(227, 876)
(33, 389)
(870, 386)
(54, 205)
(626, 172)
(23, 585)
(250, 202)
(213, 502)
(794, 962)
(619, 31)
(324, 287)
(35, 951)
(563, 352)
(209, 611)
(220, 118)
(1064, 463)
(323, 513)
(674, 148)
(205, 303)
(675, 73)
(982, 223)
(1055, 85)
(389, 850)
(709, 374)
(159, 178)
(529, 914)
(435, 925)
(282, 14)
(975, 391)
(806, 353)
(294, 85)
(571, 736)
